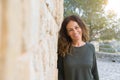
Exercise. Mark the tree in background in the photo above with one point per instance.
(110, 31)
(101, 25)
(117, 30)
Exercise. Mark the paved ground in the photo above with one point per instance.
(108, 70)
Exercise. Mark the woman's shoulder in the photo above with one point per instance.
(90, 45)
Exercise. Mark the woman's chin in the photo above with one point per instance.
(76, 39)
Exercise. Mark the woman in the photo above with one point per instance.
(76, 56)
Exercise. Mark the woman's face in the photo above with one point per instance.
(74, 31)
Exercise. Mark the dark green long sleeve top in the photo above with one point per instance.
(80, 65)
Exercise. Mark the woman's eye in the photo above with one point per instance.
(76, 27)
(70, 30)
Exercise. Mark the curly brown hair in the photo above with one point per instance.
(64, 41)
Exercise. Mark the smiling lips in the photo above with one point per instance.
(76, 35)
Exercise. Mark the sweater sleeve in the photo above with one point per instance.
(60, 68)
(94, 68)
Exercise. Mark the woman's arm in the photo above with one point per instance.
(94, 68)
(60, 68)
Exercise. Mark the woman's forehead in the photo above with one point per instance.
(72, 24)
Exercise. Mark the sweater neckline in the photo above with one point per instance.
(80, 46)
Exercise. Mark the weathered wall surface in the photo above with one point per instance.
(28, 39)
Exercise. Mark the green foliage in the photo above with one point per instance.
(108, 34)
(117, 30)
(106, 47)
(108, 50)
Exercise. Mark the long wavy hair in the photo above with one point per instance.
(64, 41)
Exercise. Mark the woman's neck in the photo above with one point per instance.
(78, 43)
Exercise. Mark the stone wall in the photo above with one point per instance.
(28, 39)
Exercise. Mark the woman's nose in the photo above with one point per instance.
(74, 30)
